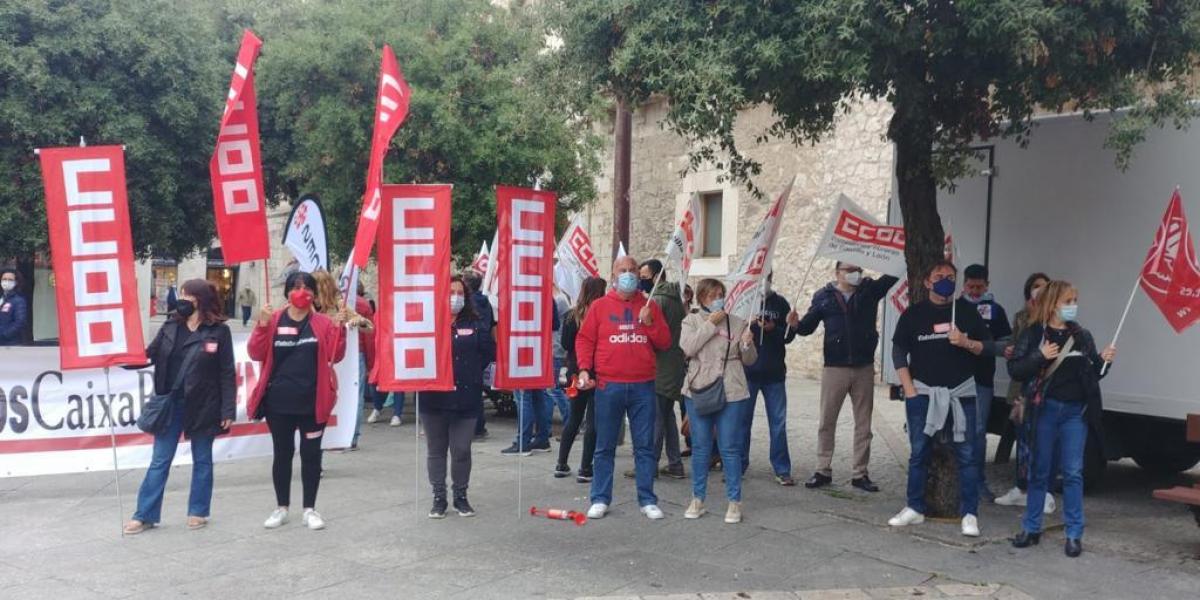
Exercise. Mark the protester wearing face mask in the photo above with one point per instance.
(192, 356)
(976, 297)
(669, 376)
(1061, 369)
(848, 308)
(616, 349)
(711, 340)
(768, 375)
(448, 418)
(1017, 495)
(935, 351)
(296, 389)
(14, 312)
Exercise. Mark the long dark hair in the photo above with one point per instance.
(208, 301)
(593, 288)
(468, 310)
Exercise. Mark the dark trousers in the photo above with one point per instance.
(448, 432)
(245, 315)
(583, 409)
(283, 436)
(666, 431)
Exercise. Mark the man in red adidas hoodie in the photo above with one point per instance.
(615, 348)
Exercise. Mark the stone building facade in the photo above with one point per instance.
(856, 159)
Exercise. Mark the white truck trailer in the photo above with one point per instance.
(1061, 206)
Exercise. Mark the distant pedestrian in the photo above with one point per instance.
(297, 347)
(14, 311)
(448, 418)
(192, 356)
(247, 300)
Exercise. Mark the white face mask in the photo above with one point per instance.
(457, 303)
(853, 278)
(8, 286)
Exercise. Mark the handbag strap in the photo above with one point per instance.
(724, 357)
(187, 364)
(1044, 378)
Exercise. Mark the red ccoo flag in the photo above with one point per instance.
(236, 171)
(1170, 275)
(391, 107)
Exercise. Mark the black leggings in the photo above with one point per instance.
(581, 406)
(283, 436)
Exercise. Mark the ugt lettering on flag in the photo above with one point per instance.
(391, 107)
(235, 167)
(1170, 276)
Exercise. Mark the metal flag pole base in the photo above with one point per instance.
(416, 453)
(520, 450)
(112, 437)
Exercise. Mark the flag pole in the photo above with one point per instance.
(416, 453)
(266, 282)
(1121, 323)
(803, 282)
(112, 437)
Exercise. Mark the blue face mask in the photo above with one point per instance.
(1068, 312)
(716, 305)
(944, 287)
(986, 297)
(627, 283)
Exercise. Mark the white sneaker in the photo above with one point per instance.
(373, 417)
(652, 512)
(906, 517)
(1014, 497)
(1049, 506)
(396, 422)
(277, 518)
(597, 511)
(970, 526)
(313, 520)
(695, 509)
(734, 514)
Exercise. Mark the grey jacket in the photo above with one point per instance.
(706, 347)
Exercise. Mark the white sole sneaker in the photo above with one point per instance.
(597, 511)
(652, 512)
(906, 517)
(313, 520)
(373, 417)
(277, 519)
(396, 422)
(970, 526)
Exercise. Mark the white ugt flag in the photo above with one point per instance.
(746, 283)
(681, 246)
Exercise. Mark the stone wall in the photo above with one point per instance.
(855, 159)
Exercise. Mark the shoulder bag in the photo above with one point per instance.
(711, 399)
(1043, 380)
(157, 412)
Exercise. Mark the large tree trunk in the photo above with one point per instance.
(912, 129)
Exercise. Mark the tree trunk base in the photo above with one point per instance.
(941, 488)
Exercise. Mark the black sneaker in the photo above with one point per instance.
(462, 506)
(540, 446)
(439, 508)
(674, 472)
(818, 480)
(515, 450)
(561, 471)
(865, 484)
(584, 477)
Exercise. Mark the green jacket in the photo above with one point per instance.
(671, 364)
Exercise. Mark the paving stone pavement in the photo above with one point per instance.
(59, 534)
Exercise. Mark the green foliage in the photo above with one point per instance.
(143, 73)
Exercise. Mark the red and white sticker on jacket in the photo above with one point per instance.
(465, 331)
(941, 327)
(210, 347)
(288, 331)
(985, 311)
(5, 308)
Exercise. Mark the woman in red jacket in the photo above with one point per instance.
(296, 390)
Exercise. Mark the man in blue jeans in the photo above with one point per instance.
(976, 297)
(768, 375)
(936, 351)
(536, 410)
(616, 352)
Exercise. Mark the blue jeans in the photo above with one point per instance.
(150, 495)
(775, 403)
(379, 398)
(1060, 422)
(983, 411)
(613, 401)
(922, 449)
(558, 397)
(535, 410)
(729, 423)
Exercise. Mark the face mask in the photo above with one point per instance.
(627, 283)
(1068, 312)
(185, 308)
(301, 299)
(646, 285)
(8, 286)
(944, 287)
(853, 278)
(716, 305)
(456, 303)
(985, 297)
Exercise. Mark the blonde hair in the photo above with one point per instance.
(1047, 301)
(706, 287)
(328, 296)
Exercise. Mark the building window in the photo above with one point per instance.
(710, 218)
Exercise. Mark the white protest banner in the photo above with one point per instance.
(480, 264)
(576, 261)
(305, 236)
(54, 421)
(745, 285)
(854, 237)
(681, 246)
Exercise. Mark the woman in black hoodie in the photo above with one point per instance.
(192, 354)
(1061, 369)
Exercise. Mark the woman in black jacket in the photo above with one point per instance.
(193, 355)
(1061, 369)
(582, 409)
(449, 418)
